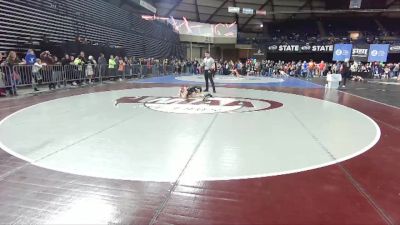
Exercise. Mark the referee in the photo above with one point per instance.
(209, 65)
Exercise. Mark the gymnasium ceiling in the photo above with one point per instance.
(216, 11)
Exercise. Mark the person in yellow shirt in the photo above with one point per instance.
(112, 66)
(78, 62)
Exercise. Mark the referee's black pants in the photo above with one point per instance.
(345, 76)
(209, 76)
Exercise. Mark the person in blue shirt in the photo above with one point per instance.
(304, 69)
(30, 57)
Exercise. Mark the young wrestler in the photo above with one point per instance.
(193, 92)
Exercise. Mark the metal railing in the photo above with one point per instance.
(7, 81)
(12, 77)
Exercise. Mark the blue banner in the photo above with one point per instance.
(342, 52)
(378, 53)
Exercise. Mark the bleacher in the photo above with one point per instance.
(98, 21)
(333, 30)
(296, 30)
(391, 26)
(341, 26)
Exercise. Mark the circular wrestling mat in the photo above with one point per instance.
(150, 134)
(231, 79)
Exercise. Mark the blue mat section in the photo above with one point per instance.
(289, 82)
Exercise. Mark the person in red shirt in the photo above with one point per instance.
(322, 68)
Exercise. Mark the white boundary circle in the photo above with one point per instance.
(363, 150)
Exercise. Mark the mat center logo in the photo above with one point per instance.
(198, 106)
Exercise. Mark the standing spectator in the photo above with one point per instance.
(189, 64)
(305, 69)
(83, 58)
(376, 70)
(65, 60)
(195, 66)
(116, 64)
(257, 68)
(127, 71)
(79, 63)
(165, 66)
(148, 66)
(328, 68)
(102, 65)
(334, 68)
(396, 70)
(12, 77)
(57, 72)
(311, 69)
(90, 68)
(3, 91)
(30, 57)
(386, 72)
(48, 61)
(112, 66)
(121, 68)
(66, 64)
(322, 68)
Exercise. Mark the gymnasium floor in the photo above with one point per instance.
(261, 151)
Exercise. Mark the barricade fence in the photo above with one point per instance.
(12, 77)
(7, 81)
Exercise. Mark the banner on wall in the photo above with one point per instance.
(360, 52)
(299, 48)
(289, 48)
(322, 48)
(394, 48)
(378, 53)
(342, 52)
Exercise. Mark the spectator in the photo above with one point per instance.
(322, 68)
(30, 57)
(305, 69)
(90, 68)
(396, 70)
(112, 66)
(12, 78)
(127, 71)
(82, 56)
(79, 63)
(102, 62)
(311, 69)
(48, 61)
(36, 76)
(121, 68)
(67, 62)
(3, 91)
(57, 72)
